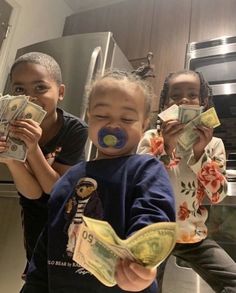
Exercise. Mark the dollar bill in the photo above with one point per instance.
(17, 150)
(13, 105)
(189, 136)
(210, 118)
(32, 111)
(98, 247)
(170, 113)
(17, 107)
(189, 112)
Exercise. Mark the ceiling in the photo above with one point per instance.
(81, 5)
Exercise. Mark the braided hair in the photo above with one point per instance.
(205, 89)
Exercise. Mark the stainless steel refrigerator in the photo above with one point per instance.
(80, 57)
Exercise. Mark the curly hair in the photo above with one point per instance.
(128, 77)
(45, 60)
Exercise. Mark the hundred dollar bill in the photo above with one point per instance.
(98, 247)
(17, 107)
(17, 150)
(32, 111)
(13, 105)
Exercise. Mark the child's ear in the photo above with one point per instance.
(61, 92)
(145, 124)
(205, 103)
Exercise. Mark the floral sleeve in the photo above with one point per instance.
(210, 170)
(153, 144)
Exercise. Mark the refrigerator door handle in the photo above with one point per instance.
(95, 66)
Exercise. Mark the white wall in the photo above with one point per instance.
(32, 21)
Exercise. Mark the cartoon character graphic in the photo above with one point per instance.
(50, 157)
(85, 201)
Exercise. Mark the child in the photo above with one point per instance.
(131, 191)
(53, 147)
(193, 174)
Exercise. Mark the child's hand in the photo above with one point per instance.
(3, 148)
(133, 277)
(28, 131)
(205, 135)
(171, 130)
(3, 144)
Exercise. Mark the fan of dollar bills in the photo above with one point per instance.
(98, 247)
(191, 116)
(17, 107)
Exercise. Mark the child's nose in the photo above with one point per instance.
(113, 123)
(184, 100)
(32, 99)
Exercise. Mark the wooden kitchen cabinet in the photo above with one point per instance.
(130, 22)
(169, 37)
(212, 19)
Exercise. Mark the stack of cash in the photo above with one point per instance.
(191, 116)
(17, 107)
(98, 248)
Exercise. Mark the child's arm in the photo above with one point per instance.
(30, 132)
(23, 179)
(152, 143)
(133, 277)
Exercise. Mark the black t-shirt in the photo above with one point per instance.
(67, 147)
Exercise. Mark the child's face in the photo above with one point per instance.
(116, 113)
(34, 80)
(184, 89)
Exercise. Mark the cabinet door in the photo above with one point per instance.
(169, 37)
(129, 21)
(212, 19)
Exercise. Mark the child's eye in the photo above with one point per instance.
(174, 98)
(193, 96)
(18, 90)
(101, 117)
(41, 88)
(127, 120)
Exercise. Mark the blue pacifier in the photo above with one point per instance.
(112, 137)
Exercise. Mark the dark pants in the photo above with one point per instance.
(210, 261)
(34, 215)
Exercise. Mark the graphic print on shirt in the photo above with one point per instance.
(85, 201)
(50, 157)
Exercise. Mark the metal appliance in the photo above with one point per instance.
(81, 57)
(216, 59)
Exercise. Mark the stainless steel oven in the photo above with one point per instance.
(216, 59)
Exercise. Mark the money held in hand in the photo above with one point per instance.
(98, 247)
(17, 107)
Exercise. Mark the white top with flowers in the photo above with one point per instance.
(191, 181)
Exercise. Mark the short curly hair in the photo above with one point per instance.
(130, 78)
(43, 59)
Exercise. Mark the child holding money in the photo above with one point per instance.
(53, 146)
(127, 190)
(194, 172)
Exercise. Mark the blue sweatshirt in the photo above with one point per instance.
(128, 192)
